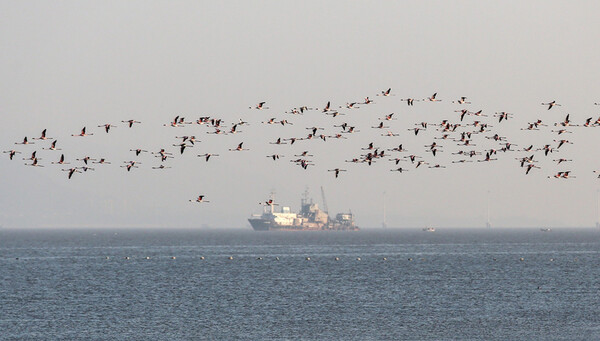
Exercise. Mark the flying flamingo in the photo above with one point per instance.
(11, 153)
(199, 199)
(131, 122)
(32, 156)
(61, 161)
(529, 167)
(34, 163)
(130, 165)
(102, 162)
(385, 92)
(43, 136)
(337, 171)
(462, 100)
(561, 142)
(138, 151)
(399, 170)
(380, 126)
(106, 127)
(52, 146)
(559, 161)
(397, 149)
(562, 175)
(207, 156)
(551, 104)
(238, 148)
(278, 141)
(25, 141)
(182, 147)
(268, 203)
(503, 116)
(351, 105)
(82, 133)
(71, 171)
(275, 157)
(86, 159)
(410, 101)
(432, 98)
(260, 106)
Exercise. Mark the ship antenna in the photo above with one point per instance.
(305, 196)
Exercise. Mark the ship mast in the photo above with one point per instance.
(325, 208)
(272, 198)
(304, 200)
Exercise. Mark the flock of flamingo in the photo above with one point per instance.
(465, 129)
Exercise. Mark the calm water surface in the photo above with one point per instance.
(447, 285)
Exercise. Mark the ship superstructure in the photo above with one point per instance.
(310, 218)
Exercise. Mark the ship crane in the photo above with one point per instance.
(324, 201)
(325, 208)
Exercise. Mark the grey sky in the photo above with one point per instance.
(70, 64)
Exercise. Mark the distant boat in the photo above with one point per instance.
(546, 230)
(429, 229)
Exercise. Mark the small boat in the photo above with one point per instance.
(429, 229)
(546, 230)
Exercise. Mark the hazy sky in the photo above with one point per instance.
(69, 64)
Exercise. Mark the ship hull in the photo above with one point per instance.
(260, 224)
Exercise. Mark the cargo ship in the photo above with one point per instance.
(310, 218)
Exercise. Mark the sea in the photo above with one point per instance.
(226, 284)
